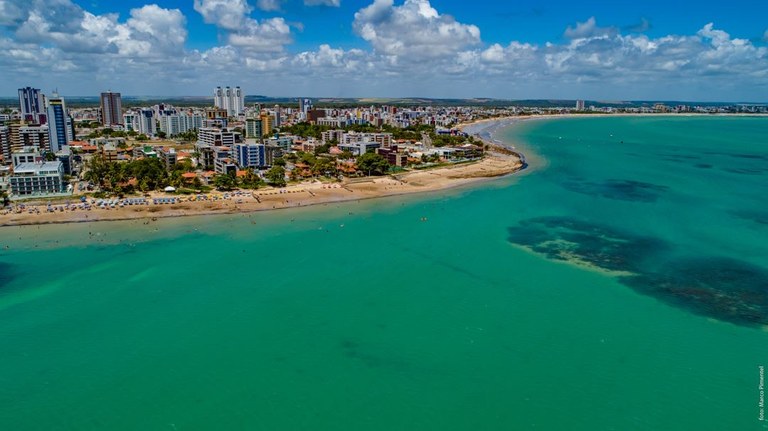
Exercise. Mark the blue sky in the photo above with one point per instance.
(598, 50)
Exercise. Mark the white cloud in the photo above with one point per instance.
(11, 12)
(231, 16)
(225, 14)
(269, 35)
(269, 5)
(414, 50)
(587, 29)
(413, 31)
(331, 3)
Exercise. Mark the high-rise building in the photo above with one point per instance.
(579, 105)
(32, 105)
(131, 121)
(5, 144)
(111, 109)
(278, 118)
(231, 99)
(175, 124)
(32, 136)
(266, 124)
(305, 105)
(253, 128)
(59, 124)
(251, 155)
(147, 123)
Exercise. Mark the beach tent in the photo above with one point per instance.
(170, 189)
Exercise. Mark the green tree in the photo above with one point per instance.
(250, 180)
(276, 176)
(372, 163)
(324, 166)
(161, 135)
(224, 182)
(322, 149)
(279, 162)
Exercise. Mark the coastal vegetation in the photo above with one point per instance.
(276, 176)
(372, 163)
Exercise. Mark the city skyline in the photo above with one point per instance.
(381, 48)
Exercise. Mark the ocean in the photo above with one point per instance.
(620, 282)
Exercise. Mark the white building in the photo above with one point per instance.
(31, 179)
(217, 137)
(231, 99)
(147, 124)
(383, 139)
(175, 124)
(131, 121)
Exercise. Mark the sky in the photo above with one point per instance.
(595, 50)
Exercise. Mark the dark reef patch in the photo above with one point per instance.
(625, 190)
(590, 244)
(746, 171)
(725, 289)
(759, 217)
(6, 274)
(722, 288)
(679, 157)
(703, 166)
(738, 155)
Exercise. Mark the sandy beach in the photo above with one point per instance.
(296, 195)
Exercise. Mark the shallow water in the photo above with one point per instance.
(545, 300)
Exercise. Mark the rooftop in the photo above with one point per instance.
(36, 167)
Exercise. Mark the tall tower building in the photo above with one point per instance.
(266, 124)
(111, 109)
(59, 123)
(253, 128)
(231, 99)
(218, 98)
(32, 105)
(278, 119)
(5, 144)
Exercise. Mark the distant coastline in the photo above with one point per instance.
(502, 159)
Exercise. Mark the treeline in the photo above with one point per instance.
(308, 130)
(147, 174)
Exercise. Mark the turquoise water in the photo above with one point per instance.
(547, 300)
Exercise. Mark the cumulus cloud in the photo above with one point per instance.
(149, 31)
(587, 29)
(269, 35)
(414, 49)
(232, 17)
(413, 31)
(225, 14)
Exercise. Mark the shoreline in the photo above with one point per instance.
(305, 194)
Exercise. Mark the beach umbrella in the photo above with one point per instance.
(170, 189)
